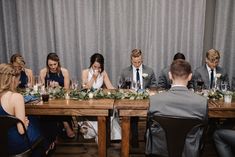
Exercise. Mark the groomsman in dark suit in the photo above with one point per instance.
(164, 81)
(144, 76)
(210, 72)
(178, 101)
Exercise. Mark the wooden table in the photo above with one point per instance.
(129, 108)
(219, 109)
(99, 108)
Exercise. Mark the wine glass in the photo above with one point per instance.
(128, 82)
(224, 86)
(74, 84)
(119, 82)
(200, 84)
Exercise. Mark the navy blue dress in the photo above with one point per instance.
(50, 128)
(23, 80)
(16, 144)
(57, 77)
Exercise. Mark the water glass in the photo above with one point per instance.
(74, 84)
(228, 95)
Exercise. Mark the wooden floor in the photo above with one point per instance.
(79, 147)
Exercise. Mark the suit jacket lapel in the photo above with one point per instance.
(206, 76)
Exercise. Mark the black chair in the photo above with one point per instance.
(176, 130)
(6, 122)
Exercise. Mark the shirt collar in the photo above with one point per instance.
(140, 68)
(209, 69)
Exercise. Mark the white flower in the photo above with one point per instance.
(90, 95)
(218, 75)
(145, 75)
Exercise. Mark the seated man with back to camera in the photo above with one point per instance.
(210, 71)
(178, 101)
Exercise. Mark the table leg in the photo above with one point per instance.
(102, 149)
(125, 137)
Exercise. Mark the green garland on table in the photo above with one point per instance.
(55, 93)
(102, 94)
(25, 92)
(215, 95)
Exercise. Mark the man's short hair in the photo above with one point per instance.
(136, 53)
(180, 69)
(179, 55)
(213, 55)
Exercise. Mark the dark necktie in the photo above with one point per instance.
(212, 78)
(137, 76)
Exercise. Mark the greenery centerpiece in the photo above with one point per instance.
(107, 94)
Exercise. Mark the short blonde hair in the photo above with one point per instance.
(136, 53)
(7, 76)
(213, 54)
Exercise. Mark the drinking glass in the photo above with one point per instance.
(128, 82)
(74, 84)
(119, 82)
(45, 97)
(134, 85)
(224, 86)
(200, 84)
(228, 95)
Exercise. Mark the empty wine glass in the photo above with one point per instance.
(74, 84)
(84, 84)
(224, 86)
(119, 82)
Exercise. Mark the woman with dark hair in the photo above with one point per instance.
(26, 75)
(55, 75)
(96, 76)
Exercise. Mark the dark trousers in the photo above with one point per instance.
(225, 142)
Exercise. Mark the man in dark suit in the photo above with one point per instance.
(178, 101)
(225, 142)
(142, 75)
(210, 72)
(163, 80)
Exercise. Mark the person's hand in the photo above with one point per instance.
(95, 74)
(26, 122)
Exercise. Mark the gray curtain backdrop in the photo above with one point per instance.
(75, 29)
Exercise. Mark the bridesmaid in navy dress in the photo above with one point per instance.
(57, 76)
(26, 75)
(12, 103)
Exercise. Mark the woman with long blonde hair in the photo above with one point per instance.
(12, 103)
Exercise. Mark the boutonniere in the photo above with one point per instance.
(145, 75)
(218, 75)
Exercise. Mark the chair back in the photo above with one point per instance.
(6, 122)
(176, 130)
